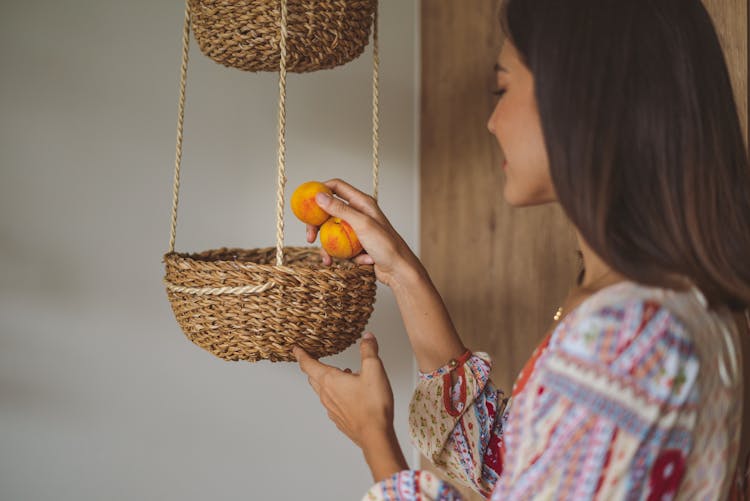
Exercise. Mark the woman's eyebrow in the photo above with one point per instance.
(499, 67)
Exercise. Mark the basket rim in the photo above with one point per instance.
(293, 269)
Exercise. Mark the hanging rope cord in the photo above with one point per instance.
(180, 121)
(281, 177)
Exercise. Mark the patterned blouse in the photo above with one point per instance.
(636, 395)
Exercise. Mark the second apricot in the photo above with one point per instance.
(338, 239)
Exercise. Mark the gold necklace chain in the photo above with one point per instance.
(558, 314)
(560, 309)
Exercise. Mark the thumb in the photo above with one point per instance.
(335, 207)
(368, 347)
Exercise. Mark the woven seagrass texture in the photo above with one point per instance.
(245, 34)
(321, 309)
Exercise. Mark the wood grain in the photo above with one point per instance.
(501, 271)
(731, 20)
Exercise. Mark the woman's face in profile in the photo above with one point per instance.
(516, 125)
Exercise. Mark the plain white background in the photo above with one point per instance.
(101, 395)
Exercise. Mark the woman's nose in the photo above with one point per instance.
(491, 121)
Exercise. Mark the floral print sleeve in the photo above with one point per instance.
(609, 411)
(412, 485)
(455, 419)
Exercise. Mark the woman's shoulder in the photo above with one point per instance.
(629, 325)
(629, 302)
(620, 327)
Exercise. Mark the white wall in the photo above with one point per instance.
(101, 395)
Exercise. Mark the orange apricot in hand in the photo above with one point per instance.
(304, 205)
(338, 239)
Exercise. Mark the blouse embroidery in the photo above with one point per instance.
(607, 407)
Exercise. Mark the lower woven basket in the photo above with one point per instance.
(235, 304)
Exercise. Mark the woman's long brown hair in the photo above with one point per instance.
(643, 136)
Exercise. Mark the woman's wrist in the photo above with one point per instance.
(408, 272)
(431, 331)
(383, 454)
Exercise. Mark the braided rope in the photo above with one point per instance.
(282, 143)
(375, 104)
(281, 175)
(180, 119)
(216, 291)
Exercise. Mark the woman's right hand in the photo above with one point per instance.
(383, 246)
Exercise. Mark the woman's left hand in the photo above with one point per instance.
(360, 404)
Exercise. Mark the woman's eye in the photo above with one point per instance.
(499, 92)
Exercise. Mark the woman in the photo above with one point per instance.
(623, 113)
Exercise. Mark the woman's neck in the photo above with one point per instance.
(597, 273)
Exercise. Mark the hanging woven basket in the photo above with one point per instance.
(258, 304)
(321, 34)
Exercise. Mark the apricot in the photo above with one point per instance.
(304, 205)
(338, 239)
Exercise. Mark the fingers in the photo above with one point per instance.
(312, 233)
(339, 208)
(309, 365)
(318, 387)
(314, 369)
(357, 199)
(368, 347)
(327, 260)
(365, 226)
(363, 258)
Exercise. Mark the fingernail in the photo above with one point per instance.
(322, 198)
(368, 335)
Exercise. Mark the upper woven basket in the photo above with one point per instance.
(258, 304)
(246, 34)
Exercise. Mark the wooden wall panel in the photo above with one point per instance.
(501, 271)
(731, 20)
